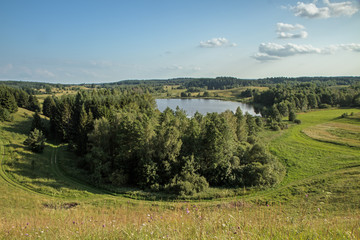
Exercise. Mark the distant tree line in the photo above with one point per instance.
(218, 83)
(284, 100)
(221, 83)
(302, 97)
(125, 140)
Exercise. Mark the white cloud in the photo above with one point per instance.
(274, 51)
(341, 9)
(310, 10)
(302, 34)
(351, 47)
(263, 57)
(216, 42)
(285, 50)
(285, 30)
(286, 27)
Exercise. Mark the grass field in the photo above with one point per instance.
(227, 94)
(318, 199)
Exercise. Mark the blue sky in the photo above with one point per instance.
(106, 41)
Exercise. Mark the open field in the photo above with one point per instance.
(318, 199)
(337, 132)
(227, 94)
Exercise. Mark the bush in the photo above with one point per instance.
(5, 115)
(324, 105)
(344, 115)
(297, 121)
(36, 141)
(187, 184)
(275, 127)
(292, 116)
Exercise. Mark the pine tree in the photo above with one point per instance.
(36, 141)
(7, 100)
(48, 104)
(37, 122)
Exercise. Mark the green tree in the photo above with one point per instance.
(5, 115)
(36, 141)
(37, 123)
(48, 89)
(48, 104)
(292, 116)
(7, 100)
(218, 147)
(33, 104)
(241, 128)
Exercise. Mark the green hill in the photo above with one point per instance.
(319, 197)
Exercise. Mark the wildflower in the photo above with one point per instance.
(187, 211)
(306, 195)
(318, 209)
(73, 222)
(103, 225)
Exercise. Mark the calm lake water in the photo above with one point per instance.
(204, 106)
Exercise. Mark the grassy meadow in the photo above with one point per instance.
(318, 199)
(227, 94)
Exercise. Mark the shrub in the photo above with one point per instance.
(275, 127)
(324, 105)
(297, 121)
(187, 184)
(36, 141)
(5, 115)
(292, 116)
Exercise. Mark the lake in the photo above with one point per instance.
(204, 106)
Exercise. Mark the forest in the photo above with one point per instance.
(122, 139)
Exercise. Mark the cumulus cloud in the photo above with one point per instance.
(285, 30)
(311, 10)
(286, 27)
(263, 57)
(350, 47)
(284, 50)
(216, 42)
(274, 51)
(302, 34)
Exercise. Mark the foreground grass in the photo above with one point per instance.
(318, 199)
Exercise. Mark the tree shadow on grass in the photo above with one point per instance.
(37, 172)
(19, 127)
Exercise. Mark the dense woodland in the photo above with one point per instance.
(12, 98)
(122, 139)
(125, 140)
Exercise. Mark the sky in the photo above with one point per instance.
(93, 41)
